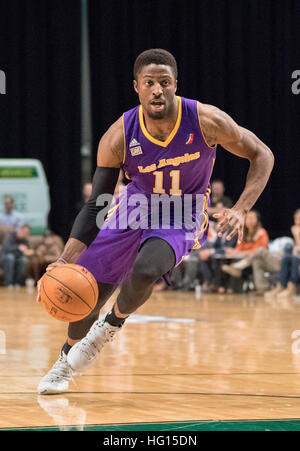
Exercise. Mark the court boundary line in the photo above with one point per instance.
(246, 395)
(191, 422)
(165, 374)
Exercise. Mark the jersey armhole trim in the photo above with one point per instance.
(211, 147)
(124, 139)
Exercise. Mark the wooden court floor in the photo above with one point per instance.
(178, 360)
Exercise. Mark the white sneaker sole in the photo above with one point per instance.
(51, 391)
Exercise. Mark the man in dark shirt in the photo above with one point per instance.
(14, 256)
(218, 200)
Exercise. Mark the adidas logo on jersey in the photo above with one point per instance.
(134, 143)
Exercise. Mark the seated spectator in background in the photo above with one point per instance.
(47, 252)
(222, 248)
(210, 261)
(14, 257)
(288, 276)
(86, 194)
(267, 260)
(87, 191)
(289, 265)
(205, 264)
(191, 269)
(217, 199)
(295, 230)
(255, 238)
(10, 220)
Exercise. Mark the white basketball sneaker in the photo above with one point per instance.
(57, 379)
(84, 353)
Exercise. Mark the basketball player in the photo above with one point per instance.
(166, 145)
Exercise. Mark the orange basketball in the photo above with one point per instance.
(69, 292)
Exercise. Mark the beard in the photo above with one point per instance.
(158, 115)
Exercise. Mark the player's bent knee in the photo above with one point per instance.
(146, 273)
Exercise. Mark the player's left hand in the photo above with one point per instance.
(53, 265)
(232, 222)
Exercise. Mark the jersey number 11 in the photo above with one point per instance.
(159, 183)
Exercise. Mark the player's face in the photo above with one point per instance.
(156, 86)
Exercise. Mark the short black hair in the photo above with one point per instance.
(154, 56)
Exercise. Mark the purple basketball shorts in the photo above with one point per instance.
(111, 256)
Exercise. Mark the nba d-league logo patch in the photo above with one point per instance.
(135, 148)
(190, 138)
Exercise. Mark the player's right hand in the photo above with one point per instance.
(49, 267)
(54, 265)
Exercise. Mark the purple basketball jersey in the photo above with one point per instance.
(180, 165)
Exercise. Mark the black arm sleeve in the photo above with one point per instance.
(85, 228)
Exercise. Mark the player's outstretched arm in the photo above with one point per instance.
(219, 128)
(86, 227)
(109, 159)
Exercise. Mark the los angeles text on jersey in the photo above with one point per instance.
(186, 158)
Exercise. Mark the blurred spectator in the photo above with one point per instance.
(47, 252)
(289, 274)
(218, 200)
(86, 192)
(10, 220)
(255, 238)
(267, 261)
(295, 230)
(85, 195)
(14, 257)
(289, 265)
(204, 265)
(222, 248)
(185, 275)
